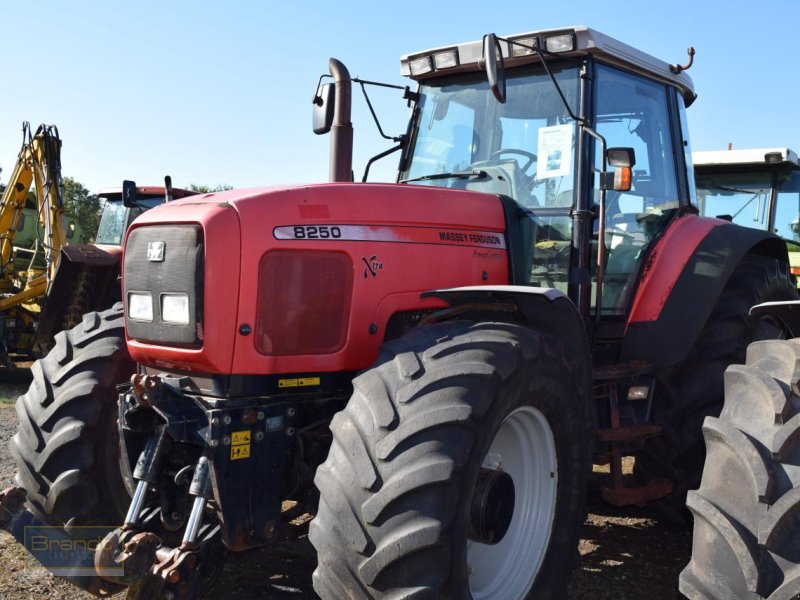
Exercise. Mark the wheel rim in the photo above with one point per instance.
(524, 448)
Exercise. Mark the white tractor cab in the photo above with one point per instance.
(754, 187)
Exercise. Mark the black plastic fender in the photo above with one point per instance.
(543, 309)
(73, 259)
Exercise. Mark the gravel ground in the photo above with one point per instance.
(625, 554)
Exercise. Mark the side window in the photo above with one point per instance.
(633, 112)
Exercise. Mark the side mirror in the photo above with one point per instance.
(324, 104)
(620, 180)
(129, 193)
(621, 157)
(495, 69)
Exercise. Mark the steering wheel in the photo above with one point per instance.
(532, 158)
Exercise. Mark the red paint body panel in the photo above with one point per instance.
(222, 260)
(401, 240)
(666, 262)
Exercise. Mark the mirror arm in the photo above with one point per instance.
(317, 99)
(372, 110)
(576, 118)
(381, 155)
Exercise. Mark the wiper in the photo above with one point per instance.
(725, 188)
(451, 175)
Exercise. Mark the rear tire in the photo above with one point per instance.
(747, 509)
(693, 390)
(397, 487)
(67, 445)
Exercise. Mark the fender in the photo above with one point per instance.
(105, 289)
(542, 309)
(682, 280)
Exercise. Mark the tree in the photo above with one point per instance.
(82, 205)
(205, 189)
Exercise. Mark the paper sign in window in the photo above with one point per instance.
(555, 151)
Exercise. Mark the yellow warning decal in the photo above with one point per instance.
(242, 451)
(240, 444)
(299, 382)
(240, 437)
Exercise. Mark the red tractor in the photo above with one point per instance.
(428, 367)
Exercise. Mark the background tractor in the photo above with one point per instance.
(754, 187)
(428, 367)
(88, 275)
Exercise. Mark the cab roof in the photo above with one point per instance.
(746, 156)
(587, 42)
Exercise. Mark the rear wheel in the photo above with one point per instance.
(689, 392)
(747, 509)
(458, 468)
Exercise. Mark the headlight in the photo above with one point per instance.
(140, 306)
(175, 308)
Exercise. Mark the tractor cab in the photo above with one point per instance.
(753, 187)
(118, 213)
(568, 96)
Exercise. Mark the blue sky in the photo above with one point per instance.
(212, 92)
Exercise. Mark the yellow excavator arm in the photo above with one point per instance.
(39, 163)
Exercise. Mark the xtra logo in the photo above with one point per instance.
(371, 266)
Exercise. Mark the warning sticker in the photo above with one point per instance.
(240, 444)
(240, 437)
(242, 451)
(299, 382)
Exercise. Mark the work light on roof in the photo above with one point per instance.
(420, 65)
(445, 59)
(523, 46)
(562, 42)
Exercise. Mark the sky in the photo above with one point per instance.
(214, 93)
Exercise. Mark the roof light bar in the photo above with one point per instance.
(562, 42)
(446, 59)
(523, 46)
(420, 65)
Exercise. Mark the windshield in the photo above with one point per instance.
(116, 217)
(740, 197)
(524, 148)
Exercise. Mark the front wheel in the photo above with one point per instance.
(67, 446)
(458, 469)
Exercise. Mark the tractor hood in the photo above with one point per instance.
(298, 279)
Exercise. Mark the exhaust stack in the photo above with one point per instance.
(341, 167)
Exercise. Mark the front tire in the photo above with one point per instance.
(67, 445)
(443, 406)
(747, 509)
